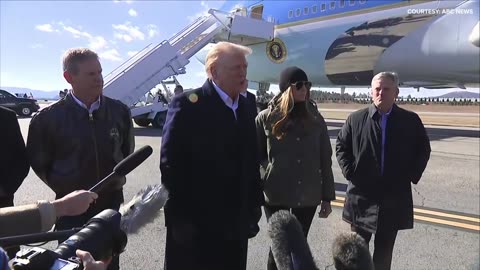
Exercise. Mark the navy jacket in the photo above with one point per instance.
(252, 103)
(209, 164)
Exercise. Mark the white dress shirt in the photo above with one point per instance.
(232, 104)
(95, 105)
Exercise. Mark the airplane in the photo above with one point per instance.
(343, 43)
(338, 43)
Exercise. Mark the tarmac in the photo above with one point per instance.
(447, 208)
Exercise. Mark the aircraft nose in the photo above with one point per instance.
(474, 37)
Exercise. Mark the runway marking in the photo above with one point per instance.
(435, 213)
(471, 223)
(334, 203)
(447, 222)
(423, 211)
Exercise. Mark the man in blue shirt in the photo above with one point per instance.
(381, 150)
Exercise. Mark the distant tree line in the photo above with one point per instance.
(363, 98)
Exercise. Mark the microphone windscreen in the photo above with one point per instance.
(350, 251)
(143, 208)
(289, 245)
(133, 160)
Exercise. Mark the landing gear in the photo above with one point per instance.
(143, 122)
(262, 96)
(159, 120)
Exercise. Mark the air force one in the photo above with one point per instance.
(432, 44)
(339, 43)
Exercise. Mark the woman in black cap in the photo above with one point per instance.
(295, 153)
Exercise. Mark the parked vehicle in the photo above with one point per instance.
(22, 106)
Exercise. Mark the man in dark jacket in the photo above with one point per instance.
(382, 150)
(76, 142)
(209, 166)
(14, 164)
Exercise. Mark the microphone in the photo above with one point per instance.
(143, 208)
(350, 252)
(124, 167)
(289, 245)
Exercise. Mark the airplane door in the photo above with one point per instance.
(256, 12)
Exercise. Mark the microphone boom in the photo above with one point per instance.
(124, 167)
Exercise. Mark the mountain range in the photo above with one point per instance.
(37, 94)
(460, 94)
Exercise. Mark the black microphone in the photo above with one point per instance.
(289, 245)
(125, 167)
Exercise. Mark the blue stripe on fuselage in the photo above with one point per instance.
(295, 11)
(283, 12)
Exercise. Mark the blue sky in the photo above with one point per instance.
(34, 35)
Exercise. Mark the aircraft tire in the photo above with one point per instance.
(143, 122)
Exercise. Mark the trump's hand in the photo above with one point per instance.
(89, 262)
(75, 203)
(325, 209)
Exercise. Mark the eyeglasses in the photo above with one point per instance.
(300, 84)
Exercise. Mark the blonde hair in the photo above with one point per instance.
(72, 57)
(222, 48)
(284, 105)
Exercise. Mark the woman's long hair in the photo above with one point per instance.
(282, 110)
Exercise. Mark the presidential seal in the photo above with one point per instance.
(276, 51)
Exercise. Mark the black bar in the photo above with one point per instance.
(36, 237)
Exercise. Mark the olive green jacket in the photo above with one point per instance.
(296, 170)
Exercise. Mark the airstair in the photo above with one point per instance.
(132, 80)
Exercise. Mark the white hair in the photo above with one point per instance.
(393, 76)
(223, 48)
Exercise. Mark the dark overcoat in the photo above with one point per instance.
(358, 149)
(209, 165)
(14, 165)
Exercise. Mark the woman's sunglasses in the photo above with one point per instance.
(300, 84)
